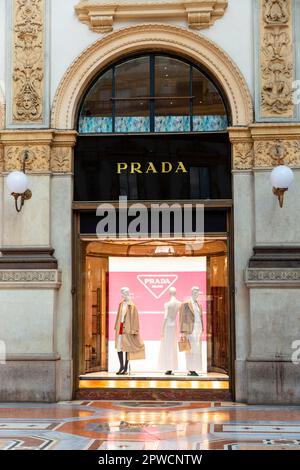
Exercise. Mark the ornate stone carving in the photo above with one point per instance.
(276, 11)
(264, 277)
(276, 58)
(17, 279)
(28, 61)
(243, 156)
(272, 153)
(49, 150)
(61, 160)
(100, 15)
(38, 162)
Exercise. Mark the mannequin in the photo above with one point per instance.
(127, 338)
(168, 358)
(191, 326)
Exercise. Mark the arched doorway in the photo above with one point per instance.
(182, 43)
(152, 129)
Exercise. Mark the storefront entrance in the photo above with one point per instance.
(153, 130)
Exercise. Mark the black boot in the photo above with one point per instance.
(169, 372)
(124, 372)
(193, 373)
(120, 355)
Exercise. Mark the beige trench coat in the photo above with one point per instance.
(131, 341)
(187, 317)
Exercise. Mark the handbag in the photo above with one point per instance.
(184, 345)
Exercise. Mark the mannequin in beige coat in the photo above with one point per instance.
(127, 338)
(191, 327)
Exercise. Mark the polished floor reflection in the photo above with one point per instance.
(132, 425)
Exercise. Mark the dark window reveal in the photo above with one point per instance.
(153, 167)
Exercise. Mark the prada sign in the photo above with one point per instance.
(151, 167)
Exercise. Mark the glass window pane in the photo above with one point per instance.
(96, 113)
(133, 82)
(209, 113)
(172, 81)
(133, 78)
(172, 77)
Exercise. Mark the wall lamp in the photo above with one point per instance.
(17, 182)
(281, 178)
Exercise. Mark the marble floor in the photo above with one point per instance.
(133, 425)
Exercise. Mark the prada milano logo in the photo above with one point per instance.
(157, 284)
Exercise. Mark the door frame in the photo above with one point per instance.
(78, 314)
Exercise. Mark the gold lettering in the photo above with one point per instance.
(151, 168)
(166, 167)
(135, 168)
(122, 167)
(181, 168)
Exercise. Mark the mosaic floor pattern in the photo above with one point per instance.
(131, 425)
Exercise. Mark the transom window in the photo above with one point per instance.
(152, 93)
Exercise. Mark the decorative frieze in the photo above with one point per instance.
(30, 279)
(263, 146)
(48, 151)
(100, 15)
(275, 277)
(28, 61)
(276, 59)
(243, 156)
(272, 153)
(62, 160)
(38, 158)
(242, 148)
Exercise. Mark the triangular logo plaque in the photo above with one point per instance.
(157, 284)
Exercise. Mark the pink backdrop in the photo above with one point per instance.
(149, 292)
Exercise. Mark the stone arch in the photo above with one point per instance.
(158, 37)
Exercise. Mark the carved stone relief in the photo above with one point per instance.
(28, 61)
(272, 153)
(276, 58)
(61, 160)
(243, 156)
(38, 161)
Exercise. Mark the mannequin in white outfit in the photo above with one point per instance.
(168, 358)
(192, 328)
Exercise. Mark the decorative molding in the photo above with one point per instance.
(49, 151)
(31, 279)
(276, 59)
(27, 258)
(275, 277)
(272, 153)
(146, 37)
(100, 15)
(263, 146)
(62, 160)
(38, 161)
(28, 61)
(275, 257)
(243, 156)
(242, 148)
